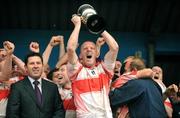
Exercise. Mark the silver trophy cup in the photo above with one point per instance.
(94, 23)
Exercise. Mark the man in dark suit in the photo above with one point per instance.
(28, 100)
(141, 94)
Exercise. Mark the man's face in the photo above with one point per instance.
(2, 54)
(60, 77)
(34, 67)
(157, 72)
(88, 54)
(117, 68)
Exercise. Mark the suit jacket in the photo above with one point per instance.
(22, 101)
(142, 96)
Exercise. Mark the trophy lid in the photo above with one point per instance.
(84, 7)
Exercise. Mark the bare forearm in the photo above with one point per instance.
(72, 45)
(19, 63)
(111, 55)
(61, 50)
(46, 54)
(62, 60)
(110, 41)
(7, 68)
(73, 40)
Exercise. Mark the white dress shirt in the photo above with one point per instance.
(39, 85)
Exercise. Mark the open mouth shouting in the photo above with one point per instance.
(156, 77)
(60, 78)
(89, 56)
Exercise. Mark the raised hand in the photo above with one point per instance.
(173, 87)
(100, 41)
(55, 40)
(34, 47)
(9, 47)
(76, 19)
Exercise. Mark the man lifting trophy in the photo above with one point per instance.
(91, 77)
(93, 21)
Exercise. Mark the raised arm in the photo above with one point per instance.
(19, 63)
(73, 40)
(100, 41)
(62, 60)
(7, 64)
(61, 47)
(55, 40)
(111, 55)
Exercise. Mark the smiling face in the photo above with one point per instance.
(60, 76)
(34, 67)
(88, 54)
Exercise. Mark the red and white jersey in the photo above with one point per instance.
(123, 111)
(5, 86)
(90, 89)
(68, 102)
(4, 93)
(123, 79)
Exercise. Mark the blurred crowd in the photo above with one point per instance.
(88, 86)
